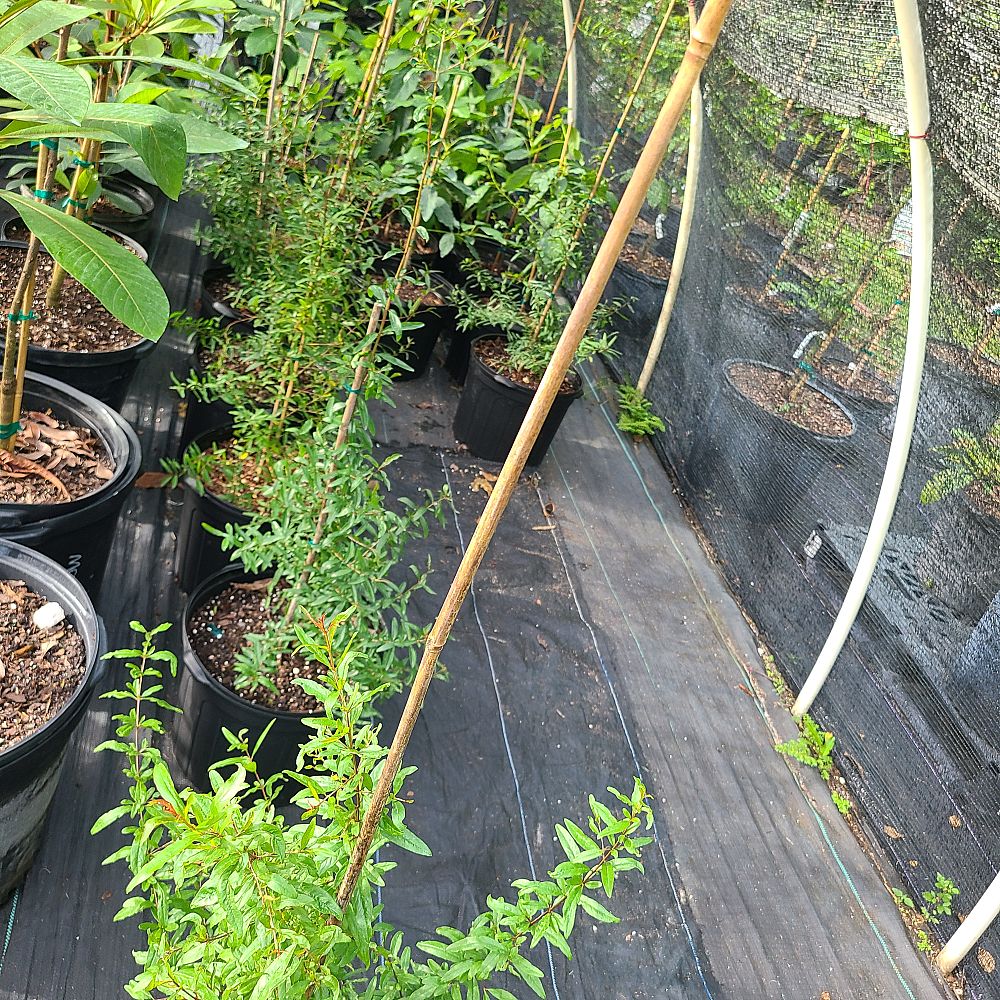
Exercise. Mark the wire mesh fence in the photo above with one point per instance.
(779, 378)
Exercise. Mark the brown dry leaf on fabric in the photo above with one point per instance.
(484, 481)
(18, 466)
(150, 481)
(542, 642)
(825, 995)
(955, 821)
(986, 961)
(254, 585)
(891, 831)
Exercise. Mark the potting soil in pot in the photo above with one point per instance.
(42, 660)
(493, 354)
(863, 384)
(52, 462)
(647, 262)
(237, 476)
(770, 389)
(218, 631)
(79, 323)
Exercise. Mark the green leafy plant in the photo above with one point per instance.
(842, 802)
(239, 901)
(353, 555)
(814, 747)
(635, 413)
(937, 903)
(968, 461)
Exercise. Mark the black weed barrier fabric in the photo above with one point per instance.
(798, 274)
(523, 728)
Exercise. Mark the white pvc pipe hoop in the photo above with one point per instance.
(922, 179)
(569, 21)
(971, 929)
(683, 238)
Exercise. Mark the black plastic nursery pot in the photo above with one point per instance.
(770, 463)
(212, 306)
(29, 770)
(105, 375)
(416, 347)
(202, 415)
(493, 407)
(208, 705)
(199, 554)
(456, 359)
(12, 229)
(77, 534)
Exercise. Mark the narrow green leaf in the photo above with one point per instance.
(119, 280)
(45, 86)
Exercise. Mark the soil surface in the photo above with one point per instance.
(217, 632)
(52, 462)
(866, 385)
(651, 263)
(39, 668)
(395, 233)
(223, 288)
(981, 367)
(984, 500)
(420, 295)
(770, 389)
(493, 354)
(79, 323)
(235, 476)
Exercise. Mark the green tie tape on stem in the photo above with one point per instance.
(42, 195)
(47, 143)
(350, 388)
(806, 367)
(20, 317)
(7, 431)
(73, 202)
(77, 162)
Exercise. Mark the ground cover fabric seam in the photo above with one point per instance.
(10, 926)
(628, 738)
(503, 722)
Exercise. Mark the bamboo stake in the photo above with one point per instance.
(683, 232)
(702, 42)
(517, 91)
(602, 167)
(272, 97)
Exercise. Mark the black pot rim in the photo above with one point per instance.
(124, 475)
(82, 359)
(66, 587)
(138, 194)
(134, 245)
(510, 383)
(204, 592)
(210, 436)
(726, 365)
(860, 397)
(635, 273)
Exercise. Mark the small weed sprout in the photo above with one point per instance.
(635, 413)
(814, 748)
(937, 904)
(842, 802)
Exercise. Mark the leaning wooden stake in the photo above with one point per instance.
(702, 42)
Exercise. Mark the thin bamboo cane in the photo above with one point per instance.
(517, 91)
(570, 27)
(272, 99)
(603, 166)
(376, 322)
(702, 42)
(683, 232)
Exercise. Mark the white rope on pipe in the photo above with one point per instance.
(922, 180)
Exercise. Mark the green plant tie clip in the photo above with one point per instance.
(20, 317)
(73, 202)
(350, 388)
(77, 162)
(42, 195)
(47, 143)
(7, 431)
(214, 630)
(806, 367)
